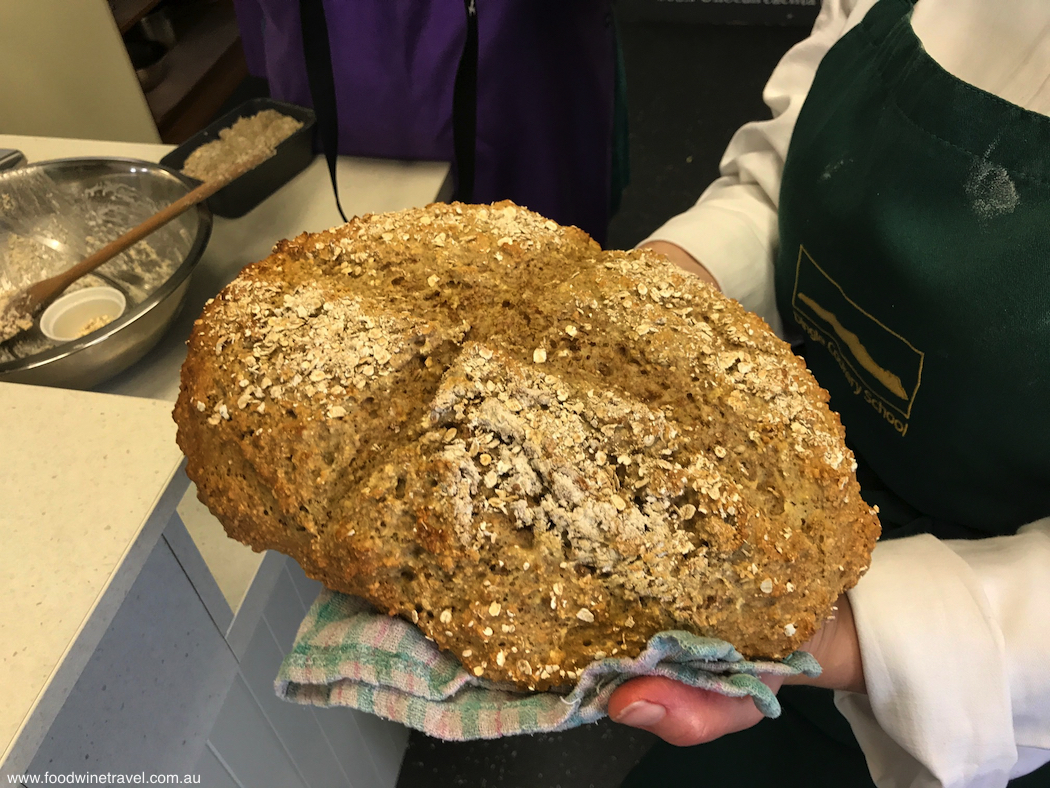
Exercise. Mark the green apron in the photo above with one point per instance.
(915, 261)
(915, 256)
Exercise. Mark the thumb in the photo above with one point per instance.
(680, 714)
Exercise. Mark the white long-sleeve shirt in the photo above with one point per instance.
(955, 636)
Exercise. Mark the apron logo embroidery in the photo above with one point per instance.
(879, 364)
(884, 376)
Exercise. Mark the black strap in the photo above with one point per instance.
(322, 84)
(319, 75)
(465, 109)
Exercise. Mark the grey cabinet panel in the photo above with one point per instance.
(284, 612)
(151, 691)
(295, 725)
(246, 619)
(212, 773)
(247, 744)
(308, 589)
(189, 557)
(351, 733)
(386, 742)
(360, 757)
(162, 693)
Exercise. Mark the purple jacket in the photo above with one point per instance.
(546, 76)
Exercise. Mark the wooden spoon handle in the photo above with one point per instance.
(45, 290)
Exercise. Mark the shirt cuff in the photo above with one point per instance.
(938, 709)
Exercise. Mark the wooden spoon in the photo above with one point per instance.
(19, 308)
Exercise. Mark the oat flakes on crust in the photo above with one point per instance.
(538, 452)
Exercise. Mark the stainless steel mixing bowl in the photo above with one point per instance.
(85, 362)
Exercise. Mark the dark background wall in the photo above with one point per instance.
(689, 88)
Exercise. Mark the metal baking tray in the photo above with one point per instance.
(292, 157)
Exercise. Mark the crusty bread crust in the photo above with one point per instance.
(539, 452)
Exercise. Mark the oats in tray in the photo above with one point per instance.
(242, 141)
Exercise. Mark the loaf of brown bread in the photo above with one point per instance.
(539, 452)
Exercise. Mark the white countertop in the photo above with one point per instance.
(81, 473)
(81, 478)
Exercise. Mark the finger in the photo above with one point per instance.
(680, 714)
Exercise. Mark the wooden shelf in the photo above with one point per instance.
(128, 12)
(205, 66)
(202, 70)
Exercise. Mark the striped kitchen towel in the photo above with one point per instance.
(346, 654)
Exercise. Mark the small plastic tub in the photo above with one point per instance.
(81, 312)
(292, 156)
